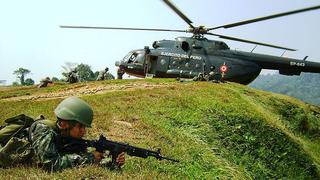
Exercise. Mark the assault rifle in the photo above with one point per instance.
(75, 145)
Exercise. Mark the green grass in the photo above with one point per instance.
(225, 131)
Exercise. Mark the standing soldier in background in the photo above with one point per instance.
(44, 82)
(120, 73)
(73, 77)
(105, 75)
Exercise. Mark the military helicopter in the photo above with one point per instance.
(187, 57)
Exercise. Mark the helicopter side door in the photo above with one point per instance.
(157, 65)
(151, 64)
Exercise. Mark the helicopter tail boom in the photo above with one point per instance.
(286, 66)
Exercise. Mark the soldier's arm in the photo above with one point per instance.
(47, 154)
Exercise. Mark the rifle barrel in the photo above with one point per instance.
(170, 159)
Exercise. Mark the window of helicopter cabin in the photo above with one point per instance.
(174, 62)
(210, 46)
(185, 46)
(187, 65)
(223, 45)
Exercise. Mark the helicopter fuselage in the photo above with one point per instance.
(187, 57)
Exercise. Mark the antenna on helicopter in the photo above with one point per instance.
(254, 48)
(283, 53)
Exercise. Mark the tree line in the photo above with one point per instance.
(85, 73)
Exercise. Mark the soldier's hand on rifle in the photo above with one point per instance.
(98, 156)
(121, 159)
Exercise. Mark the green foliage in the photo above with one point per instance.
(95, 75)
(85, 73)
(21, 73)
(29, 82)
(15, 84)
(217, 131)
(55, 79)
(297, 119)
(109, 76)
(264, 151)
(305, 87)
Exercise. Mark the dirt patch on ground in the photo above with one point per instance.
(86, 90)
(123, 131)
(135, 133)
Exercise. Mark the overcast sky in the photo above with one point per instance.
(30, 36)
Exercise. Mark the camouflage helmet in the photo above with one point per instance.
(75, 109)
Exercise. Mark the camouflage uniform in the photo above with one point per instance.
(210, 76)
(44, 82)
(73, 77)
(104, 75)
(213, 76)
(37, 143)
(46, 155)
(200, 77)
(120, 73)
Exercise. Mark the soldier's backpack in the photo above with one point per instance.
(15, 147)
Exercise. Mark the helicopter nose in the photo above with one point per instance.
(117, 63)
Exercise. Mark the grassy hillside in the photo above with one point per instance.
(215, 130)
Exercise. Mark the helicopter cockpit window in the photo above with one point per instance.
(132, 58)
(155, 44)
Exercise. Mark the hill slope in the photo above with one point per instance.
(305, 87)
(215, 130)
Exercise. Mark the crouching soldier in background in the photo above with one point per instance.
(73, 117)
(213, 76)
(105, 75)
(44, 82)
(73, 77)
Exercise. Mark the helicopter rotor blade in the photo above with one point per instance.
(177, 11)
(265, 18)
(251, 42)
(122, 28)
